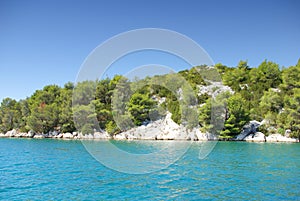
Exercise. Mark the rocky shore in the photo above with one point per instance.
(163, 129)
(250, 134)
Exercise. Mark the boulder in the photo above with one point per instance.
(120, 136)
(256, 137)
(101, 135)
(80, 136)
(67, 135)
(86, 136)
(52, 133)
(287, 133)
(38, 136)
(18, 135)
(248, 129)
(280, 138)
(2, 135)
(202, 136)
(21, 135)
(11, 133)
(131, 137)
(211, 136)
(169, 129)
(59, 135)
(30, 134)
(47, 135)
(90, 136)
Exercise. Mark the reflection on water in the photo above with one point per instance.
(137, 157)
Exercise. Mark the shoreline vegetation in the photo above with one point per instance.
(253, 104)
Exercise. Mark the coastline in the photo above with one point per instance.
(163, 129)
(274, 138)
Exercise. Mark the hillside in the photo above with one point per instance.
(195, 98)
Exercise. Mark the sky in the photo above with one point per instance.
(46, 42)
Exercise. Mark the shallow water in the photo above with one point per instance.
(32, 169)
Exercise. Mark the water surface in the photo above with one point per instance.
(32, 169)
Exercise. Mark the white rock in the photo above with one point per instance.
(201, 136)
(22, 135)
(88, 136)
(163, 129)
(18, 135)
(120, 136)
(67, 135)
(30, 134)
(52, 133)
(11, 133)
(251, 127)
(101, 135)
(214, 89)
(257, 137)
(287, 133)
(280, 138)
(2, 135)
(59, 135)
(131, 137)
(38, 136)
(80, 136)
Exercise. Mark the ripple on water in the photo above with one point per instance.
(63, 170)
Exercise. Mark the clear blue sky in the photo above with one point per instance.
(45, 42)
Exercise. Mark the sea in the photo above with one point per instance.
(49, 169)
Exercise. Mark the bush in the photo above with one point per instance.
(281, 131)
(263, 129)
(87, 129)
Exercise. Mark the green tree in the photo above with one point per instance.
(237, 116)
(112, 128)
(221, 68)
(44, 109)
(290, 79)
(289, 116)
(44, 118)
(173, 106)
(212, 114)
(120, 98)
(292, 109)
(237, 77)
(266, 76)
(103, 91)
(25, 113)
(10, 115)
(270, 105)
(65, 110)
(205, 115)
(84, 92)
(85, 118)
(193, 77)
(139, 107)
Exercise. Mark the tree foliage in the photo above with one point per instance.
(116, 104)
(237, 115)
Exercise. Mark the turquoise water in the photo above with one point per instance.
(63, 170)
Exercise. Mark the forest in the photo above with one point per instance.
(267, 93)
